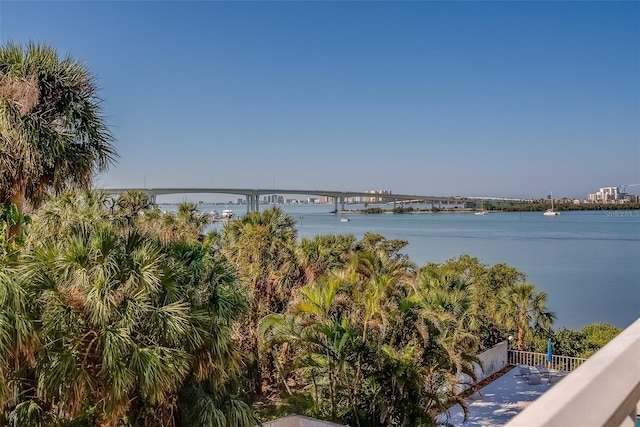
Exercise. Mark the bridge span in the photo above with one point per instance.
(339, 197)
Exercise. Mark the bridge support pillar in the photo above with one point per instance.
(253, 203)
(342, 203)
(335, 205)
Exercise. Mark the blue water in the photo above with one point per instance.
(587, 262)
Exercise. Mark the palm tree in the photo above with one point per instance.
(377, 272)
(10, 220)
(322, 253)
(373, 242)
(479, 285)
(452, 297)
(187, 224)
(52, 133)
(523, 309)
(211, 398)
(375, 255)
(322, 341)
(72, 212)
(131, 204)
(18, 340)
(447, 320)
(109, 333)
(261, 246)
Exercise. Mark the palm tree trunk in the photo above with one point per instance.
(521, 333)
(359, 366)
(332, 391)
(18, 199)
(316, 401)
(353, 408)
(257, 374)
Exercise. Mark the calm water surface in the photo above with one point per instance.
(587, 262)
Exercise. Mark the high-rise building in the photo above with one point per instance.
(607, 194)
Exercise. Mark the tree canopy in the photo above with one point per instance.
(103, 324)
(53, 134)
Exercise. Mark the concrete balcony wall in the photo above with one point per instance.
(604, 391)
(491, 361)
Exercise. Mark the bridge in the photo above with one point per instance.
(339, 197)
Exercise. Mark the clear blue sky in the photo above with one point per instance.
(443, 98)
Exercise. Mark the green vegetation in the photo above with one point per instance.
(11, 222)
(52, 133)
(103, 324)
(531, 206)
(579, 343)
(559, 205)
(374, 211)
(114, 313)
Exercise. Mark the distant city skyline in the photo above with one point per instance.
(504, 99)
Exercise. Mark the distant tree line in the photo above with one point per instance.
(540, 206)
(578, 342)
(535, 206)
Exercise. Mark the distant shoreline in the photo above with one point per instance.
(573, 208)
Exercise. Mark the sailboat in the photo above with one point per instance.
(551, 212)
(481, 211)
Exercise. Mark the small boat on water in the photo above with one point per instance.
(481, 211)
(551, 212)
(344, 219)
(227, 214)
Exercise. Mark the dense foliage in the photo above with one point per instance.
(579, 343)
(114, 313)
(103, 324)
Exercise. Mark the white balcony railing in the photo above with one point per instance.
(560, 363)
(603, 391)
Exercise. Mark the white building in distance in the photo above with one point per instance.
(607, 194)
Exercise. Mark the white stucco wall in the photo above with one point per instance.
(491, 360)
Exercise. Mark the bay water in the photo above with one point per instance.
(588, 262)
